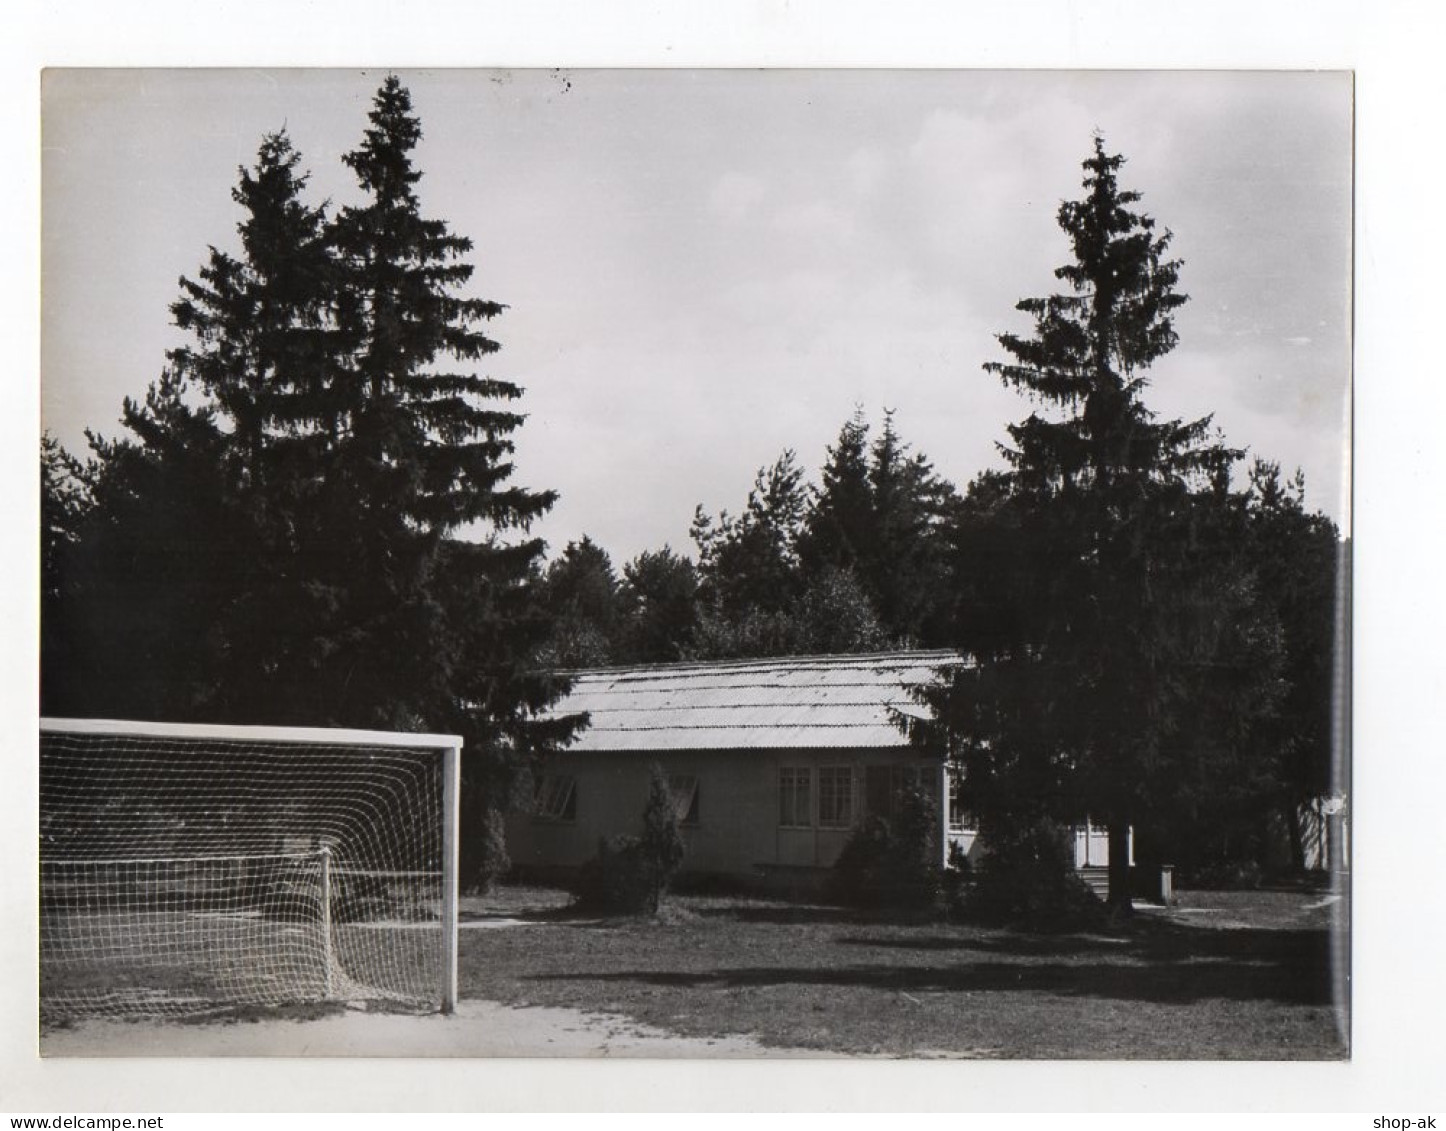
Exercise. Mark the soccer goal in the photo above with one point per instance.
(187, 870)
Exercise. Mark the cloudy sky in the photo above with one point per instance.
(703, 268)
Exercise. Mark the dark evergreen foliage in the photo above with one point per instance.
(1029, 879)
(858, 564)
(1297, 559)
(1121, 663)
(658, 598)
(1248, 824)
(313, 520)
(493, 862)
(629, 874)
(894, 863)
(749, 563)
(882, 514)
(131, 619)
(580, 592)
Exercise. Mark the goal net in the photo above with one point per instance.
(187, 870)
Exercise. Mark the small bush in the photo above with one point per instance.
(630, 873)
(617, 881)
(957, 881)
(1029, 879)
(892, 864)
(492, 860)
(662, 843)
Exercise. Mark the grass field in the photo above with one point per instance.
(1231, 975)
(1238, 975)
(177, 964)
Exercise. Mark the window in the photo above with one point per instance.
(685, 798)
(886, 786)
(905, 780)
(556, 798)
(960, 819)
(835, 797)
(794, 808)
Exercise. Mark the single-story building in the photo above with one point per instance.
(772, 763)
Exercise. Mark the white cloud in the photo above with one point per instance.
(736, 195)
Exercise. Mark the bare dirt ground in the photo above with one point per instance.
(477, 1029)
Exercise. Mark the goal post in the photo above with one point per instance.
(188, 869)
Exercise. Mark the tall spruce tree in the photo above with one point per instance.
(424, 449)
(314, 522)
(1119, 678)
(439, 620)
(262, 356)
(258, 324)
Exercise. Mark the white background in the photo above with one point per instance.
(1400, 846)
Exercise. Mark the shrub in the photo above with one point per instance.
(662, 843)
(630, 873)
(893, 864)
(858, 874)
(1029, 878)
(617, 880)
(492, 860)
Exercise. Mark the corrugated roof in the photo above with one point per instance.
(839, 702)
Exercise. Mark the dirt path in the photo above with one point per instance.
(478, 1029)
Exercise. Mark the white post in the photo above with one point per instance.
(326, 956)
(451, 827)
(944, 776)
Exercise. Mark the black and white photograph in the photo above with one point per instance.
(729, 563)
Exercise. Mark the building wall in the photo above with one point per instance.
(738, 831)
(1092, 847)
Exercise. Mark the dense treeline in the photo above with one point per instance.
(310, 519)
(859, 562)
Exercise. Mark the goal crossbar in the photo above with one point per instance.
(220, 732)
(176, 736)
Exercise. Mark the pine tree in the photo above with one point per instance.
(262, 358)
(1119, 679)
(155, 558)
(425, 448)
(908, 559)
(580, 591)
(312, 521)
(750, 563)
(258, 324)
(658, 600)
(881, 514)
(1297, 558)
(840, 528)
(65, 502)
